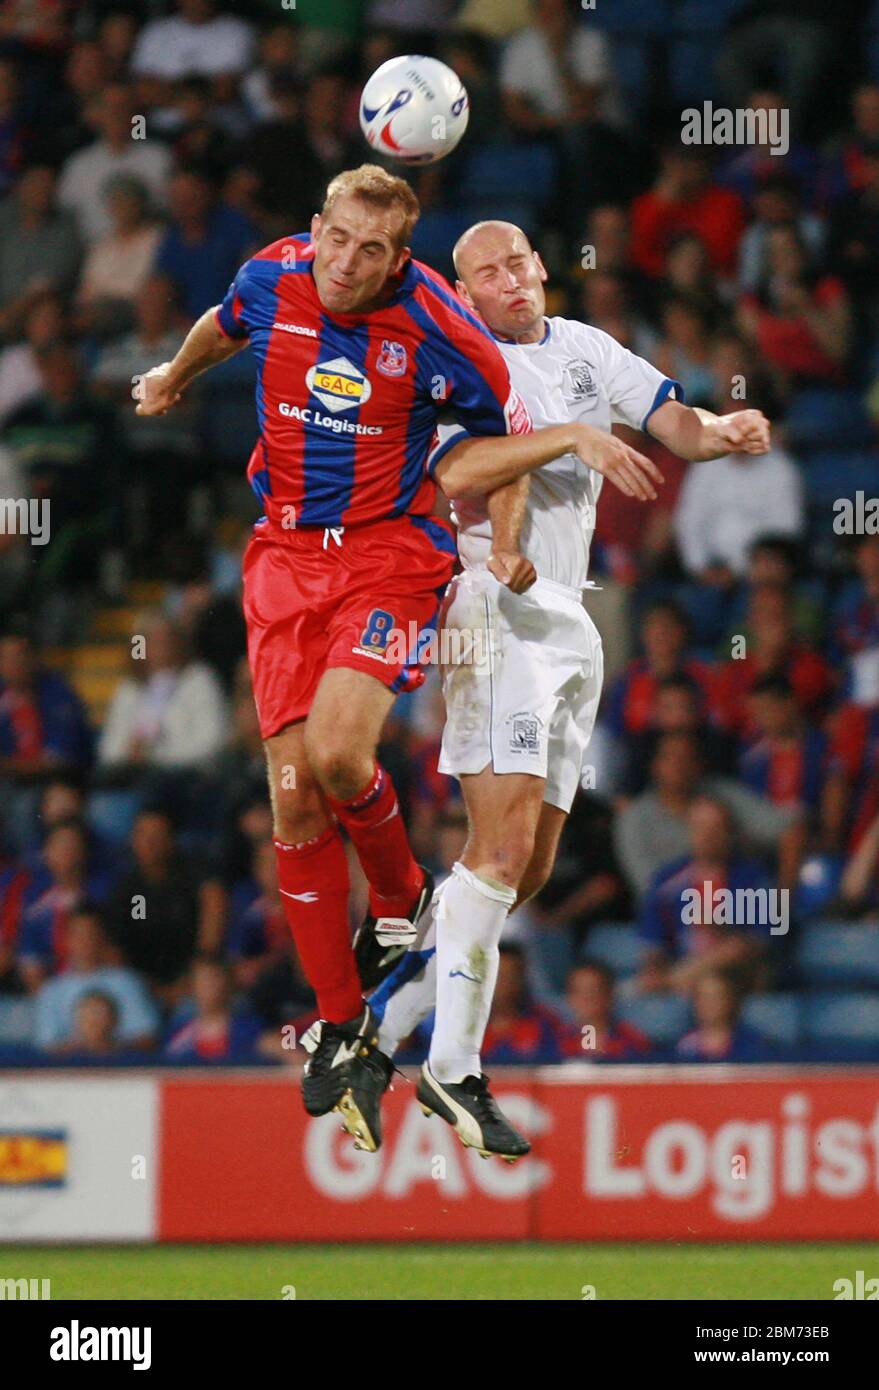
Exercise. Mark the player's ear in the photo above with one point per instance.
(315, 226)
(403, 256)
(541, 268)
(462, 290)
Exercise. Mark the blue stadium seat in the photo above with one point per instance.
(523, 173)
(617, 945)
(631, 60)
(831, 475)
(435, 235)
(112, 813)
(825, 417)
(836, 954)
(16, 1021)
(778, 1017)
(704, 16)
(636, 17)
(842, 1019)
(691, 71)
(663, 1017)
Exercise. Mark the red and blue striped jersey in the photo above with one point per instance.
(348, 404)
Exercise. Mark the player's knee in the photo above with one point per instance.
(507, 859)
(340, 768)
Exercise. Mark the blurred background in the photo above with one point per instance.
(146, 149)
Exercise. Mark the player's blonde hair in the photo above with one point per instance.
(377, 187)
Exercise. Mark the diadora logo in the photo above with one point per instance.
(296, 328)
(338, 384)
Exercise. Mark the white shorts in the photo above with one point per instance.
(521, 680)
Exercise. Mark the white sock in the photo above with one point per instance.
(408, 1007)
(470, 918)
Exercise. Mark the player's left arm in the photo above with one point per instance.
(506, 511)
(699, 435)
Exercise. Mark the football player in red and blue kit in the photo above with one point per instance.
(359, 349)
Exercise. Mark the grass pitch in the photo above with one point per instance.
(440, 1272)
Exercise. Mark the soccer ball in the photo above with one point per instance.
(414, 109)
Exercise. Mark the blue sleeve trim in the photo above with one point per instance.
(662, 395)
(442, 449)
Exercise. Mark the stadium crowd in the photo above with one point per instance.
(146, 149)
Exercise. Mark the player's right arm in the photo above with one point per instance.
(475, 465)
(204, 346)
(216, 336)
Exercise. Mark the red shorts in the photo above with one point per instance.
(312, 602)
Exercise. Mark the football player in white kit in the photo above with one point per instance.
(524, 681)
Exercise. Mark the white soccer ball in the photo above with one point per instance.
(414, 109)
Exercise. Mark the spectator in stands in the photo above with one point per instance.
(595, 1033)
(95, 1028)
(664, 635)
(777, 203)
(768, 155)
(725, 505)
(859, 883)
(66, 878)
(258, 935)
(93, 968)
(166, 908)
(39, 248)
(15, 138)
(279, 58)
(205, 243)
(558, 84)
(798, 319)
(86, 174)
(217, 1032)
(796, 37)
(688, 274)
(683, 199)
(20, 379)
(169, 712)
(518, 1029)
(775, 562)
(853, 251)
(14, 880)
(785, 761)
(653, 829)
(720, 1035)
(679, 943)
(769, 647)
(855, 625)
(679, 707)
(194, 40)
(684, 351)
(586, 885)
(283, 173)
(43, 725)
(72, 455)
(118, 266)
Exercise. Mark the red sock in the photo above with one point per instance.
(313, 881)
(373, 820)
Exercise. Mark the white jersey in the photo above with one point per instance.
(575, 373)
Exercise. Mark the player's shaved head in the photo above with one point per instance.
(481, 237)
(501, 276)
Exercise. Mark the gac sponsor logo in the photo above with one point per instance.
(338, 384)
(307, 416)
(33, 1158)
